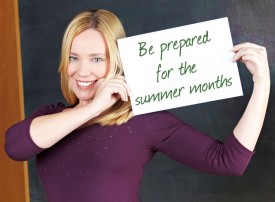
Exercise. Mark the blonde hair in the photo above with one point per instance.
(111, 28)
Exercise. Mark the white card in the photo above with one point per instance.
(180, 66)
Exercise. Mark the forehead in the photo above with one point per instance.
(89, 41)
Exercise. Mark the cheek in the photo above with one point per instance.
(70, 70)
(106, 69)
(101, 70)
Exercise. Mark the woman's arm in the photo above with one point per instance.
(195, 149)
(46, 130)
(254, 57)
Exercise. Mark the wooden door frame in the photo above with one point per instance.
(14, 183)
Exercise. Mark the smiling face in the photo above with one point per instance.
(89, 62)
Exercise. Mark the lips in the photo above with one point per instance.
(85, 84)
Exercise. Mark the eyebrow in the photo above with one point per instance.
(93, 54)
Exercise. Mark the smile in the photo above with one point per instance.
(85, 83)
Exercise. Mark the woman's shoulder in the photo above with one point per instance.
(49, 109)
(161, 116)
(159, 119)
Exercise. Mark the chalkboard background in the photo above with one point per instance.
(42, 24)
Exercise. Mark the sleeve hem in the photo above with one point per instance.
(240, 146)
(29, 141)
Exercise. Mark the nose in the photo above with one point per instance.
(85, 68)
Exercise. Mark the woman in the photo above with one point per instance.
(95, 150)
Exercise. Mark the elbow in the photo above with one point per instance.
(14, 148)
(229, 171)
(12, 153)
(18, 143)
(230, 167)
(237, 172)
(236, 169)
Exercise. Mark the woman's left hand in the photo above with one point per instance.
(255, 59)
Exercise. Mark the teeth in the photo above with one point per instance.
(84, 84)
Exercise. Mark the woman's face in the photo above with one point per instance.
(88, 62)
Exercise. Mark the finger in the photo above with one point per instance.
(123, 93)
(119, 87)
(247, 51)
(128, 89)
(250, 57)
(122, 80)
(119, 94)
(247, 45)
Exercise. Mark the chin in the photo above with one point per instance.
(84, 98)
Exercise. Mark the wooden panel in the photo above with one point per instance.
(13, 175)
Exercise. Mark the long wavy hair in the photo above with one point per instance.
(111, 28)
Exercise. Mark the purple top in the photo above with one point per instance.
(106, 163)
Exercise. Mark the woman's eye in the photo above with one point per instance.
(72, 58)
(97, 59)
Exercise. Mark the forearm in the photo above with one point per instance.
(46, 130)
(249, 127)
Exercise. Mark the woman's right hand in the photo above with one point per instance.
(108, 91)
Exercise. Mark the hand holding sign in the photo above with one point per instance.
(180, 66)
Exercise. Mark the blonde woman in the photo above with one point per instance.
(95, 149)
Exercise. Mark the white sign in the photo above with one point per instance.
(180, 66)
